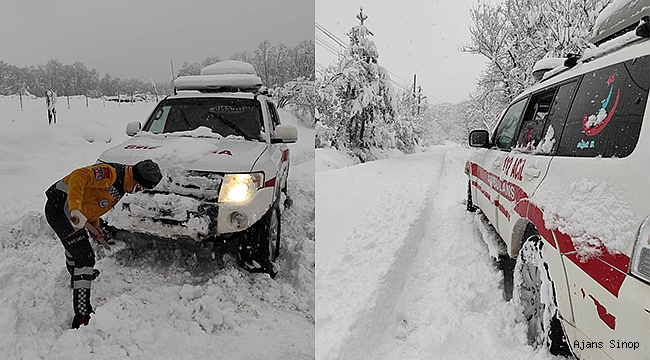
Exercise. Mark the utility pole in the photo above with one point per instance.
(419, 98)
(413, 111)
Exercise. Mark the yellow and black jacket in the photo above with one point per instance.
(96, 189)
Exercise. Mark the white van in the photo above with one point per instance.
(565, 181)
(223, 153)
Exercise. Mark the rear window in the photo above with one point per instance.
(224, 116)
(606, 116)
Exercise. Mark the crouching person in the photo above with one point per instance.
(75, 204)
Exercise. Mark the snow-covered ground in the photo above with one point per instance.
(403, 270)
(148, 304)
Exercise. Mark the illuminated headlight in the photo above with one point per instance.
(238, 188)
(641, 255)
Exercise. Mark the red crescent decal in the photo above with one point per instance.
(595, 130)
(608, 270)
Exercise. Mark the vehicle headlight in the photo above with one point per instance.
(641, 255)
(238, 188)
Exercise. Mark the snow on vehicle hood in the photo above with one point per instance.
(199, 149)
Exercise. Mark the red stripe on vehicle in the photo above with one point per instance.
(285, 155)
(270, 182)
(606, 275)
(608, 270)
(485, 193)
(619, 261)
(564, 242)
(536, 216)
(502, 209)
(606, 317)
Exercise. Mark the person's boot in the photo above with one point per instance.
(80, 320)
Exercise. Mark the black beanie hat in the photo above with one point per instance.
(147, 173)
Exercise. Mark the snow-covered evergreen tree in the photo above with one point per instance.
(357, 104)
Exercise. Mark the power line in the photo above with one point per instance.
(331, 35)
(332, 49)
(325, 45)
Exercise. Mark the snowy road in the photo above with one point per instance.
(148, 304)
(407, 276)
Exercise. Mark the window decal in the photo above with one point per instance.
(593, 124)
(586, 144)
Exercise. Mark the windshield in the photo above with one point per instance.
(224, 116)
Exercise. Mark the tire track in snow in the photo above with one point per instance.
(378, 249)
(441, 298)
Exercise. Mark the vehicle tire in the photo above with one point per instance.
(260, 247)
(469, 203)
(534, 294)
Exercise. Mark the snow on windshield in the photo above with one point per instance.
(224, 116)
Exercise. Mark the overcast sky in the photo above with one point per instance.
(138, 38)
(422, 37)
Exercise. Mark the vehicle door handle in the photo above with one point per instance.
(497, 163)
(532, 172)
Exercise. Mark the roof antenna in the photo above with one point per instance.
(173, 77)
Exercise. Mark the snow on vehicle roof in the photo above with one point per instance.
(616, 17)
(229, 67)
(543, 66)
(220, 82)
(197, 94)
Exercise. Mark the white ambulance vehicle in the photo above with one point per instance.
(223, 154)
(565, 180)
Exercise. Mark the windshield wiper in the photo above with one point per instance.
(230, 124)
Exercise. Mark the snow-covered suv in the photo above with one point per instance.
(565, 181)
(221, 147)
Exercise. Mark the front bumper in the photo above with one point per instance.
(175, 216)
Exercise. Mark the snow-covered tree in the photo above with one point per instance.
(300, 96)
(356, 99)
(514, 34)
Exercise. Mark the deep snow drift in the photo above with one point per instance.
(404, 271)
(160, 303)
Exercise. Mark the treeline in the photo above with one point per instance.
(275, 65)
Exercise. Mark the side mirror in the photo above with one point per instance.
(133, 127)
(285, 134)
(479, 138)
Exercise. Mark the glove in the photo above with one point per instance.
(78, 219)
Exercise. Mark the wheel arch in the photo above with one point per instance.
(522, 230)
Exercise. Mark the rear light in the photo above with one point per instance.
(641, 254)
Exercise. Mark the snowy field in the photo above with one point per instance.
(403, 270)
(148, 305)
